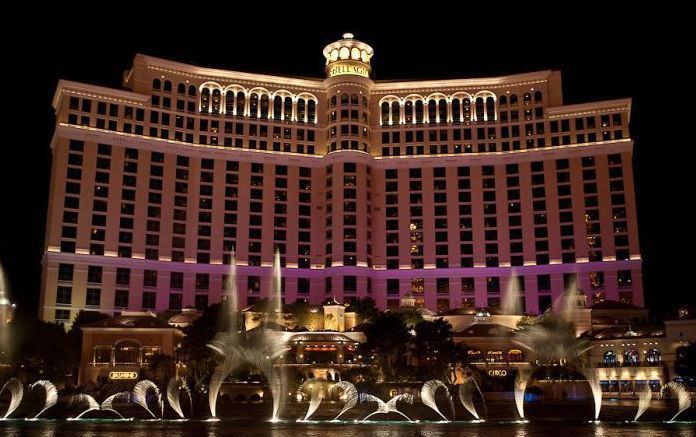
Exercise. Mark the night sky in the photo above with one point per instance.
(600, 54)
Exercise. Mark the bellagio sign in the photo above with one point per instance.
(123, 375)
(347, 67)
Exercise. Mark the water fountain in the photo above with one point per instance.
(108, 403)
(511, 299)
(350, 393)
(387, 407)
(51, 395)
(316, 395)
(683, 397)
(466, 395)
(428, 396)
(4, 316)
(16, 389)
(644, 398)
(140, 396)
(521, 380)
(174, 388)
(260, 350)
(82, 399)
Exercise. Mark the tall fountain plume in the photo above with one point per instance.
(350, 393)
(387, 407)
(316, 395)
(83, 400)
(683, 397)
(140, 396)
(14, 386)
(51, 395)
(466, 395)
(511, 298)
(644, 398)
(428, 395)
(592, 377)
(174, 388)
(260, 351)
(4, 316)
(276, 289)
(521, 381)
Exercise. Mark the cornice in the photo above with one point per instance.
(538, 77)
(96, 91)
(582, 109)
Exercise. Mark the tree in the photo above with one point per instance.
(433, 346)
(387, 339)
(685, 366)
(365, 309)
(161, 366)
(300, 310)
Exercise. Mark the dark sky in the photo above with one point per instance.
(602, 55)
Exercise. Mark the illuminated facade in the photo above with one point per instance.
(438, 189)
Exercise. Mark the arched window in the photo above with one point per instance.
(156, 84)
(466, 109)
(277, 107)
(385, 113)
(432, 111)
(205, 100)
(408, 112)
(240, 103)
(610, 358)
(333, 100)
(490, 108)
(229, 102)
(288, 109)
(167, 85)
(253, 105)
(537, 96)
(515, 356)
(480, 104)
(301, 110)
(181, 89)
(442, 110)
(653, 356)
(456, 111)
(513, 99)
(264, 106)
(631, 357)
(192, 91)
(354, 99)
(395, 109)
(502, 100)
(215, 101)
(127, 352)
(344, 99)
(474, 356)
(419, 111)
(312, 111)
(494, 356)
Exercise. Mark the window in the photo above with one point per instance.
(93, 297)
(64, 295)
(121, 299)
(65, 272)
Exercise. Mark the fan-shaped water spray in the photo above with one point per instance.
(174, 388)
(16, 389)
(387, 407)
(593, 379)
(350, 393)
(521, 380)
(428, 396)
(683, 397)
(466, 395)
(140, 396)
(316, 395)
(108, 403)
(51, 395)
(644, 398)
(85, 401)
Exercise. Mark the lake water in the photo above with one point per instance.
(240, 428)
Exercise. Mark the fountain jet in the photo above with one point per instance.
(14, 386)
(350, 393)
(51, 395)
(428, 396)
(466, 392)
(108, 404)
(140, 396)
(86, 400)
(388, 407)
(316, 393)
(644, 398)
(511, 299)
(593, 379)
(173, 394)
(521, 380)
(683, 397)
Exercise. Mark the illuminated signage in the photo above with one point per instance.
(500, 373)
(343, 68)
(123, 375)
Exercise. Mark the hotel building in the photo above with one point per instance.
(435, 189)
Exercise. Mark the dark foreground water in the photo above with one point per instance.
(60, 428)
